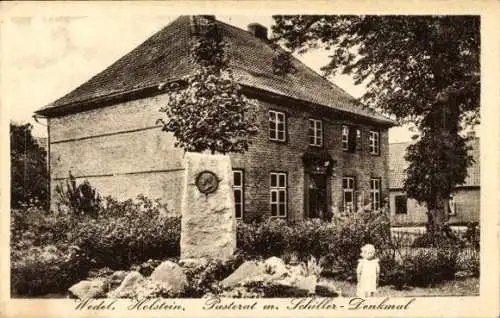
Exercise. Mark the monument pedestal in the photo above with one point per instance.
(208, 224)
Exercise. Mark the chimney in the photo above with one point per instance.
(257, 30)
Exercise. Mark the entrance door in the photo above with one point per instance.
(317, 196)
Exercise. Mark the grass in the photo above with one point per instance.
(458, 287)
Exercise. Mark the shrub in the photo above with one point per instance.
(206, 277)
(81, 199)
(39, 271)
(338, 244)
(312, 267)
(428, 267)
(127, 233)
(264, 239)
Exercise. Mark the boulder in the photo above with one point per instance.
(247, 271)
(327, 289)
(276, 267)
(171, 274)
(126, 288)
(115, 279)
(88, 289)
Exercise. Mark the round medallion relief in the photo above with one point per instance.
(207, 182)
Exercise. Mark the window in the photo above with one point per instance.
(452, 211)
(278, 194)
(348, 189)
(400, 204)
(350, 137)
(359, 139)
(238, 193)
(375, 193)
(277, 126)
(374, 142)
(315, 132)
(345, 138)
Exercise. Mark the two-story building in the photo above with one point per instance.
(317, 149)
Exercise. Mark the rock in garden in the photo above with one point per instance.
(115, 279)
(276, 267)
(88, 289)
(327, 289)
(246, 271)
(171, 274)
(126, 288)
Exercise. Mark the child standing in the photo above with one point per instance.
(367, 272)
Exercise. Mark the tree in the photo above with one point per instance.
(207, 111)
(29, 175)
(421, 69)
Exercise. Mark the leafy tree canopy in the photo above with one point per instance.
(208, 111)
(29, 175)
(420, 69)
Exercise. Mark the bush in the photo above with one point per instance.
(38, 271)
(338, 244)
(81, 199)
(128, 233)
(206, 277)
(122, 234)
(264, 239)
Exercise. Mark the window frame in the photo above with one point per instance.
(276, 123)
(241, 188)
(374, 144)
(345, 141)
(351, 190)
(278, 189)
(396, 210)
(373, 192)
(315, 131)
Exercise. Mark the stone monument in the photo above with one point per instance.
(208, 224)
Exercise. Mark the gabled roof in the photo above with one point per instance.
(164, 57)
(397, 165)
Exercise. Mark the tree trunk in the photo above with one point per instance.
(437, 214)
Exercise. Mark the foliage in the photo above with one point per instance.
(419, 68)
(205, 278)
(264, 239)
(33, 226)
(338, 245)
(127, 233)
(123, 234)
(282, 63)
(46, 270)
(29, 175)
(81, 199)
(146, 268)
(210, 113)
(312, 266)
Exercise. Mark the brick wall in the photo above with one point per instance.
(122, 152)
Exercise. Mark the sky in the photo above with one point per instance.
(48, 56)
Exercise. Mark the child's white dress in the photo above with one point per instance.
(367, 270)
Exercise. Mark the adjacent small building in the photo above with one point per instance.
(318, 151)
(464, 203)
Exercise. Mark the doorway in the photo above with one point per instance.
(317, 196)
